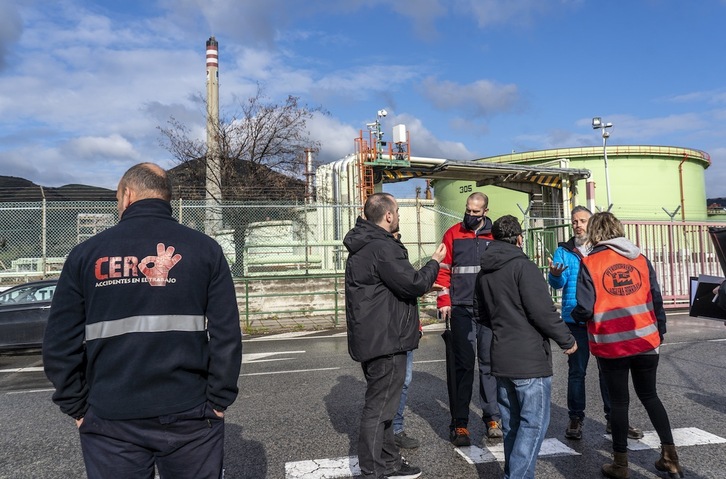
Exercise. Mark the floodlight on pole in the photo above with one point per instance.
(598, 124)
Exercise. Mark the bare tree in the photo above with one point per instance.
(260, 151)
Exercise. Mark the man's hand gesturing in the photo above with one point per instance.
(440, 253)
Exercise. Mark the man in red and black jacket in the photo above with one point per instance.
(465, 242)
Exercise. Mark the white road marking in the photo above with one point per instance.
(323, 468)
(30, 391)
(291, 335)
(258, 357)
(32, 369)
(495, 452)
(290, 371)
(348, 466)
(430, 361)
(684, 436)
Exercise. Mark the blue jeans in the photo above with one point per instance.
(577, 369)
(398, 418)
(525, 408)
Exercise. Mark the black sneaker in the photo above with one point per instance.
(633, 432)
(574, 429)
(404, 441)
(460, 437)
(405, 471)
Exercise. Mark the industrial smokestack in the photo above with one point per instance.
(309, 176)
(214, 171)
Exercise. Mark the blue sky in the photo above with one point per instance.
(85, 84)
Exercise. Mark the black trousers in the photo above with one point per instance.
(189, 445)
(472, 346)
(377, 451)
(643, 368)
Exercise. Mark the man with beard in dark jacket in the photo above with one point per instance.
(512, 298)
(381, 292)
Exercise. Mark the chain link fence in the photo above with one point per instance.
(288, 260)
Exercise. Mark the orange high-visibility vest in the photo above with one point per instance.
(623, 322)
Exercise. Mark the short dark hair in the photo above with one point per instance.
(377, 205)
(148, 180)
(506, 229)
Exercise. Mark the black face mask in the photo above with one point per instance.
(471, 222)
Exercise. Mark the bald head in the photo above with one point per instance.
(142, 181)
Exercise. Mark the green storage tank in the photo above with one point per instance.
(646, 183)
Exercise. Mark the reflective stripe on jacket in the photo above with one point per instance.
(461, 264)
(623, 322)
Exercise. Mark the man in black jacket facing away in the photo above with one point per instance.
(512, 298)
(381, 291)
(143, 340)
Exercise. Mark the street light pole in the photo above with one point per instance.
(598, 124)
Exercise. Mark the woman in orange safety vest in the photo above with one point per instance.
(619, 298)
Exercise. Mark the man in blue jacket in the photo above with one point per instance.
(381, 311)
(564, 267)
(143, 342)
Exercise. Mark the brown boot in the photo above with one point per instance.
(619, 468)
(668, 461)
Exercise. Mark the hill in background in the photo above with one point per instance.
(13, 189)
(245, 181)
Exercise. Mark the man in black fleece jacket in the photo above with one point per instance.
(143, 342)
(511, 297)
(381, 311)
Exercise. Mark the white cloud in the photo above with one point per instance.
(477, 99)
(337, 139)
(425, 143)
(517, 12)
(630, 129)
(100, 148)
(366, 78)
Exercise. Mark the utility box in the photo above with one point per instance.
(399, 134)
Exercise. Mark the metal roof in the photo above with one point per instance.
(518, 177)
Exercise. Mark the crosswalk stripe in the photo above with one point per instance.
(323, 468)
(348, 466)
(495, 452)
(684, 436)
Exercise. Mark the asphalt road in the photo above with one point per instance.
(301, 398)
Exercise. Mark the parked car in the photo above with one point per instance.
(24, 313)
